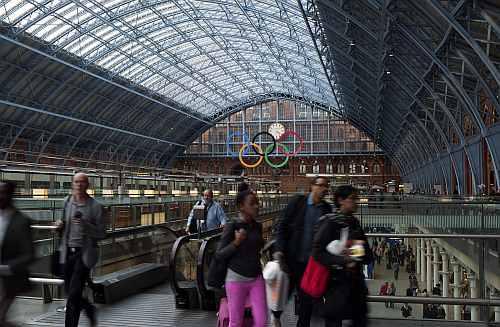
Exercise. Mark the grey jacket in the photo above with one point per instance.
(95, 230)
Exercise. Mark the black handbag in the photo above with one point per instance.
(217, 272)
(56, 266)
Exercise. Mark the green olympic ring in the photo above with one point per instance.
(269, 149)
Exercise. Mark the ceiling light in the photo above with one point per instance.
(352, 43)
(388, 72)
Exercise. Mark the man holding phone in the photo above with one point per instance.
(82, 226)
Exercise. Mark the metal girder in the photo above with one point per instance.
(81, 121)
(53, 58)
(330, 75)
(467, 37)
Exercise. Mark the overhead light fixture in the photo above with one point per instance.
(388, 72)
(352, 43)
(391, 54)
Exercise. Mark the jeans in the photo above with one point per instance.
(237, 294)
(75, 276)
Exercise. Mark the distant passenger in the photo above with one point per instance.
(212, 216)
(294, 237)
(82, 225)
(16, 250)
(240, 247)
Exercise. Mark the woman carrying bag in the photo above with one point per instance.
(239, 248)
(345, 295)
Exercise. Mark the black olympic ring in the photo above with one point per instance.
(255, 139)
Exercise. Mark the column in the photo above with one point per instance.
(422, 262)
(417, 254)
(435, 263)
(474, 294)
(446, 280)
(429, 267)
(495, 295)
(457, 278)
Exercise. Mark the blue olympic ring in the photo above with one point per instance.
(229, 142)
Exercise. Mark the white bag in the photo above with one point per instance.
(336, 247)
(277, 284)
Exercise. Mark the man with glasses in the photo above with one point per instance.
(294, 236)
(82, 226)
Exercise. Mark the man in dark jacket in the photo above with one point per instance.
(16, 250)
(294, 235)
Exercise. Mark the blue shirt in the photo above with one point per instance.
(215, 216)
(311, 218)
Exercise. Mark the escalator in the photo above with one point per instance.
(189, 261)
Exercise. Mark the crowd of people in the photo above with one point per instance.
(309, 239)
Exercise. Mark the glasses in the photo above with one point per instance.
(322, 185)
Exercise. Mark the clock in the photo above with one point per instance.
(276, 130)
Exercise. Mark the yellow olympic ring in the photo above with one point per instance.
(240, 155)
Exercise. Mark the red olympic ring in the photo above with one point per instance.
(296, 135)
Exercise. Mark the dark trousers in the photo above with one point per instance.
(5, 304)
(75, 276)
(305, 302)
(356, 322)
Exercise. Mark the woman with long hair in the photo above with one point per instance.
(240, 247)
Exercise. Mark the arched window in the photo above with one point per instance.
(340, 168)
(315, 167)
(302, 167)
(352, 168)
(329, 167)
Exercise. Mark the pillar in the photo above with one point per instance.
(417, 253)
(446, 280)
(422, 262)
(495, 295)
(474, 294)
(435, 263)
(457, 278)
(429, 267)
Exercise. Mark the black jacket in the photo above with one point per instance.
(244, 259)
(346, 292)
(17, 253)
(289, 229)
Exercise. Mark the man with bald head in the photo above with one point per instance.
(212, 212)
(82, 225)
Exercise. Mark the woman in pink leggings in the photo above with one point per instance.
(240, 247)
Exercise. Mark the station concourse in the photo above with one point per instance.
(158, 101)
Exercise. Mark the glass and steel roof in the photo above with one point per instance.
(206, 55)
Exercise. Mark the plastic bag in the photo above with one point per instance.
(277, 284)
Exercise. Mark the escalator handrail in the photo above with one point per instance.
(200, 276)
(200, 269)
(179, 242)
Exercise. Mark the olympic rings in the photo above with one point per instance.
(257, 149)
(272, 165)
(254, 140)
(296, 135)
(240, 156)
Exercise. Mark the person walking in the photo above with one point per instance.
(240, 247)
(16, 246)
(294, 235)
(392, 292)
(82, 226)
(395, 267)
(383, 292)
(213, 214)
(345, 297)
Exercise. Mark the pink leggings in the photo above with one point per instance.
(237, 294)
